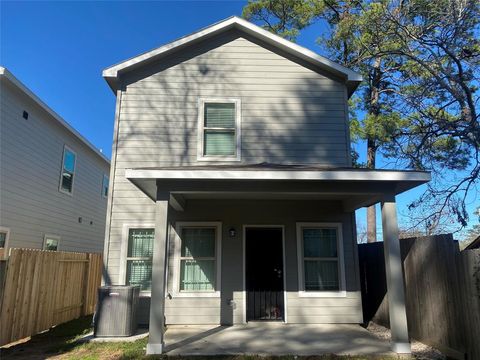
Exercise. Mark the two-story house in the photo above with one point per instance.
(53, 181)
(233, 192)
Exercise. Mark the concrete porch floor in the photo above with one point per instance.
(273, 339)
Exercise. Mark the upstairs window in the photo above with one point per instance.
(68, 170)
(219, 130)
(105, 186)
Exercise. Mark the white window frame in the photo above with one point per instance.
(124, 252)
(108, 185)
(177, 258)
(51, 236)
(5, 230)
(65, 148)
(201, 130)
(300, 260)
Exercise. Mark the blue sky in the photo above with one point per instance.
(58, 49)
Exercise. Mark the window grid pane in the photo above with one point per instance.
(220, 143)
(198, 242)
(140, 242)
(51, 244)
(69, 161)
(139, 272)
(321, 275)
(197, 275)
(219, 115)
(320, 242)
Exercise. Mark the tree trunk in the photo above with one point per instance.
(373, 109)
(371, 210)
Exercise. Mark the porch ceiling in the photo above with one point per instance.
(355, 188)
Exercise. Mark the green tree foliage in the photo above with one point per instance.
(418, 102)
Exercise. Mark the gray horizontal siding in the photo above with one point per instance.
(297, 114)
(291, 114)
(30, 163)
(236, 213)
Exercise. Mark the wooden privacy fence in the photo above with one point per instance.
(442, 289)
(46, 288)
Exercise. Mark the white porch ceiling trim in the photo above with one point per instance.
(294, 175)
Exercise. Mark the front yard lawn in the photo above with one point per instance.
(61, 342)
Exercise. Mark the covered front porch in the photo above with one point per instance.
(266, 195)
(263, 338)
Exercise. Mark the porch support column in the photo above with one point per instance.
(395, 282)
(157, 301)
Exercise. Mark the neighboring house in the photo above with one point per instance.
(232, 180)
(53, 182)
(475, 244)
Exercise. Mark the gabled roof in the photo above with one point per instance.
(475, 244)
(7, 75)
(112, 73)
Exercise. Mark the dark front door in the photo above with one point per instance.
(264, 273)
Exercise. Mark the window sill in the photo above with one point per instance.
(218, 159)
(65, 192)
(214, 294)
(323, 294)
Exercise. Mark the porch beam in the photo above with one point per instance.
(395, 281)
(294, 187)
(178, 202)
(356, 202)
(157, 301)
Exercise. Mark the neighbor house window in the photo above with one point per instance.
(219, 130)
(139, 257)
(51, 242)
(320, 257)
(4, 234)
(198, 263)
(105, 186)
(68, 170)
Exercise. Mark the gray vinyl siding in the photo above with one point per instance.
(291, 114)
(237, 213)
(31, 204)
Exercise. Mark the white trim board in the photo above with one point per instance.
(224, 174)
(234, 22)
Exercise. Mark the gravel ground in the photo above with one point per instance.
(420, 351)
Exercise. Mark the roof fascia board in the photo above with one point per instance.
(253, 30)
(295, 175)
(5, 73)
